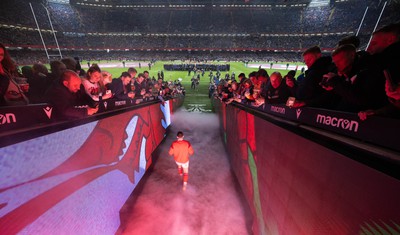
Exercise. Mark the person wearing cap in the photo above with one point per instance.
(181, 150)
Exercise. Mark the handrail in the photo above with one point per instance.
(20, 123)
(376, 149)
(379, 131)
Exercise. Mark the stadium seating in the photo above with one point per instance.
(276, 26)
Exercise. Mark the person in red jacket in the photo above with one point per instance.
(181, 150)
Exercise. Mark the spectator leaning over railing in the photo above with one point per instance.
(57, 69)
(385, 50)
(291, 83)
(141, 90)
(246, 92)
(156, 89)
(147, 78)
(227, 91)
(132, 71)
(358, 89)
(363, 57)
(66, 101)
(261, 81)
(276, 91)
(105, 82)
(38, 83)
(241, 78)
(309, 91)
(119, 87)
(92, 85)
(71, 64)
(11, 93)
(234, 89)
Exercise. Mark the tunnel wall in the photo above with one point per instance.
(75, 180)
(296, 185)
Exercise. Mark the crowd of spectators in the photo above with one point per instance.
(74, 92)
(26, 38)
(297, 19)
(224, 28)
(363, 82)
(242, 34)
(28, 57)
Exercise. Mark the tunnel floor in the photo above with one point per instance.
(212, 202)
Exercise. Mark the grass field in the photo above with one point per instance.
(195, 100)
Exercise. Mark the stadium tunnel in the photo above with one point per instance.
(272, 170)
(290, 177)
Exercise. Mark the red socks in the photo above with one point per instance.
(185, 177)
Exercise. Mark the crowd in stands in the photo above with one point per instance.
(349, 80)
(74, 92)
(254, 28)
(26, 39)
(326, 84)
(27, 57)
(297, 19)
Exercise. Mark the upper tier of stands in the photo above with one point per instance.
(255, 25)
(271, 18)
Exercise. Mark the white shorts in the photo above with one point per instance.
(184, 165)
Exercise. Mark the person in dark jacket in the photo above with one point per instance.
(317, 66)
(385, 51)
(120, 87)
(65, 99)
(385, 56)
(276, 92)
(38, 83)
(358, 89)
(309, 92)
(141, 86)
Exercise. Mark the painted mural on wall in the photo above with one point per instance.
(77, 180)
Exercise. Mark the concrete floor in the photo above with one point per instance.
(212, 202)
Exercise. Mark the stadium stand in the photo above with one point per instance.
(253, 26)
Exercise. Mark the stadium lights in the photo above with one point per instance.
(318, 3)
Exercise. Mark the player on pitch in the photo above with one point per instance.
(181, 150)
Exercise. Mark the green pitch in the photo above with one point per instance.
(195, 100)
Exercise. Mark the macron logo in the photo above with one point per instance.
(277, 109)
(7, 118)
(48, 110)
(341, 123)
(298, 112)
